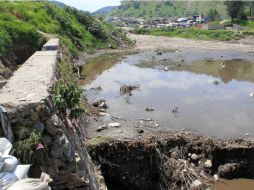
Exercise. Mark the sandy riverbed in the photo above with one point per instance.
(148, 42)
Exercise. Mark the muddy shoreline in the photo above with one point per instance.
(132, 156)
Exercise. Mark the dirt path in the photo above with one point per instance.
(147, 42)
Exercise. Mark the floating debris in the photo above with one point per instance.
(149, 109)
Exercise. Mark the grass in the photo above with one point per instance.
(79, 31)
(193, 33)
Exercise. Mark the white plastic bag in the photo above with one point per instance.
(21, 171)
(7, 179)
(5, 147)
(32, 184)
(10, 162)
(1, 166)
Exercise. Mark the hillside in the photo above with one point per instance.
(168, 8)
(105, 10)
(21, 21)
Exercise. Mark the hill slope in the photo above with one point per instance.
(105, 10)
(21, 21)
(168, 8)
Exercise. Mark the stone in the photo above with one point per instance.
(166, 69)
(34, 117)
(208, 164)
(174, 154)
(247, 134)
(38, 108)
(216, 177)
(57, 152)
(47, 140)
(103, 114)
(103, 105)
(194, 157)
(50, 128)
(114, 124)
(39, 126)
(56, 120)
(98, 101)
(101, 128)
(68, 152)
(140, 131)
(196, 184)
(232, 170)
(189, 154)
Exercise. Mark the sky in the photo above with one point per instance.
(90, 5)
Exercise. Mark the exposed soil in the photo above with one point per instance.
(147, 42)
(136, 163)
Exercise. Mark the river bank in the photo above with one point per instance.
(130, 125)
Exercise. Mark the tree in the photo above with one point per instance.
(235, 9)
(214, 14)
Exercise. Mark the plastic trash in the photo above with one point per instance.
(7, 179)
(5, 147)
(32, 184)
(10, 162)
(1, 166)
(21, 171)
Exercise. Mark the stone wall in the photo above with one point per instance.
(27, 102)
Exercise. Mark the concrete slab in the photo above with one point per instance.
(52, 44)
(31, 81)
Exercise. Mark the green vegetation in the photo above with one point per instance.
(25, 146)
(66, 93)
(21, 21)
(235, 9)
(172, 9)
(191, 33)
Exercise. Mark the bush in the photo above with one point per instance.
(25, 147)
(66, 93)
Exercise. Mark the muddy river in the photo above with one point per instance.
(211, 96)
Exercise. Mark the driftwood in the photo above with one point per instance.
(127, 89)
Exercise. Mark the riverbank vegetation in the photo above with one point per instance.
(193, 33)
(78, 30)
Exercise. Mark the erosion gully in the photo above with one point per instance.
(187, 95)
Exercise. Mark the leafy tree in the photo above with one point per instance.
(214, 14)
(235, 9)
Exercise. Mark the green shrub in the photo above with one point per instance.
(25, 147)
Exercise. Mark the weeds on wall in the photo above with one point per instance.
(26, 147)
(66, 93)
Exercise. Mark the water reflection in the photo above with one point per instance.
(226, 70)
(218, 110)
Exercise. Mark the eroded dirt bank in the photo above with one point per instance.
(171, 160)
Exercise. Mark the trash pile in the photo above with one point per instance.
(13, 176)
